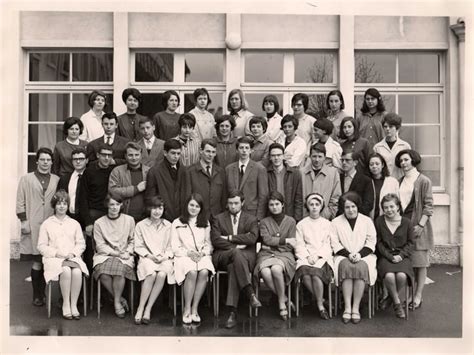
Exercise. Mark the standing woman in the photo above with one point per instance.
(335, 111)
(271, 106)
(295, 146)
(371, 117)
(61, 243)
(226, 153)
(166, 122)
(394, 244)
(276, 260)
(416, 197)
(113, 260)
(313, 251)
(353, 242)
(129, 122)
(155, 263)
(382, 182)
(204, 119)
(92, 119)
(238, 108)
(192, 248)
(62, 160)
(349, 132)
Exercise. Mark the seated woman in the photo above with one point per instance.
(192, 248)
(395, 241)
(275, 260)
(113, 260)
(155, 265)
(61, 243)
(314, 262)
(353, 241)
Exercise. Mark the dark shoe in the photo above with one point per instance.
(346, 317)
(254, 302)
(323, 314)
(385, 303)
(67, 316)
(38, 302)
(120, 312)
(284, 313)
(145, 321)
(138, 321)
(355, 318)
(399, 312)
(231, 321)
(76, 316)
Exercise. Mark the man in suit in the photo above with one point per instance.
(129, 182)
(152, 147)
(234, 234)
(249, 177)
(111, 138)
(166, 179)
(354, 180)
(207, 179)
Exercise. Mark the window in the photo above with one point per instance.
(411, 84)
(58, 86)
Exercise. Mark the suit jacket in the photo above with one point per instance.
(118, 149)
(160, 183)
(64, 185)
(361, 184)
(212, 188)
(156, 152)
(254, 186)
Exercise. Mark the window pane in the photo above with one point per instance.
(418, 68)
(204, 67)
(92, 67)
(314, 68)
(317, 104)
(419, 108)
(151, 104)
(80, 105)
(48, 107)
(255, 103)
(424, 139)
(215, 107)
(31, 163)
(431, 167)
(264, 67)
(44, 135)
(388, 100)
(154, 67)
(375, 68)
(49, 66)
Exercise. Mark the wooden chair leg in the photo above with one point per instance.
(336, 300)
(84, 294)
(330, 299)
(98, 298)
(370, 301)
(49, 299)
(132, 286)
(297, 292)
(92, 293)
(406, 300)
(288, 306)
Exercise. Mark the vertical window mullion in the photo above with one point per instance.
(289, 68)
(178, 68)
(70, 67)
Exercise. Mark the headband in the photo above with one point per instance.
(316, 196)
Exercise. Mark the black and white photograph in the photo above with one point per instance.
(236, 176)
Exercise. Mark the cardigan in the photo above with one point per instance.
(62, 159)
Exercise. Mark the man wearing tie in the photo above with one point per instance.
(250, 178)
(234, 234)
(152, 147)
(110, 138)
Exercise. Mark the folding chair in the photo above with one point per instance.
(84, 295)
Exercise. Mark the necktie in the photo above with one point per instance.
(109, 140)
(208, 170)
(76, 201)
(241, 173)
(234, 219)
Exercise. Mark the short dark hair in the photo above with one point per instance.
(44, 150)
(110, 115)
(224, 118)
(93, 95)
(392, 197)
(236, 193)
(103, 146)
(276, 146)
(300, 96)
(208, 141)
(244, 140)
(166, 96)
(153, 202)
(350, 196)
(385, 171)
(289, 118)
(131, 92)
(324, 124)
(201, 220)
(79, 150)
(374, 93)
(354, 154)
(392, 119)
(201, 91)
(256, 120)
(354, 123)
(187, 119)
(71, 121)
(60, 195)
(171, 143)
(273, 99)
(318, 147)
(275, 195)
(146, 119)
(339, 94)
(414, 155)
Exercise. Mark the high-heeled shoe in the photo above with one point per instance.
(284, 313)
(412, 305)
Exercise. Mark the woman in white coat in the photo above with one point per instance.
(155, 263)
(353, 241)
(192, 248)
(313, 250)
(61, 243)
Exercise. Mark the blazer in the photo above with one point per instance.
(361, 184)
(254, 186)
(212, 188)
(293, 190)
(156, 152)
(118, 149)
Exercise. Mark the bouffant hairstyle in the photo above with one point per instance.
(385, 171)
(93, 95)
(414, 155)
(392, 119)
(324, 124)
(71, 121)
(131, 92)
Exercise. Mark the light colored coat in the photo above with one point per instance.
(37, 206)
(363, 235)
(389, 155)
(63, 236)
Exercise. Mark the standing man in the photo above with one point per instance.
(250, 178)
(286, 180)
(128, 181)
(323, 179)
(152, 147)
(207, 179)
(33, 206)
(234, 234)
(111, 138)
(166, 179)
(299, 104)
(322, 133)
(128, 122)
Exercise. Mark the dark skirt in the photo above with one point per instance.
(384, 266)
(31, 257)
(324, 273)
(349, 270)
(114, 267)
(268, 258)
